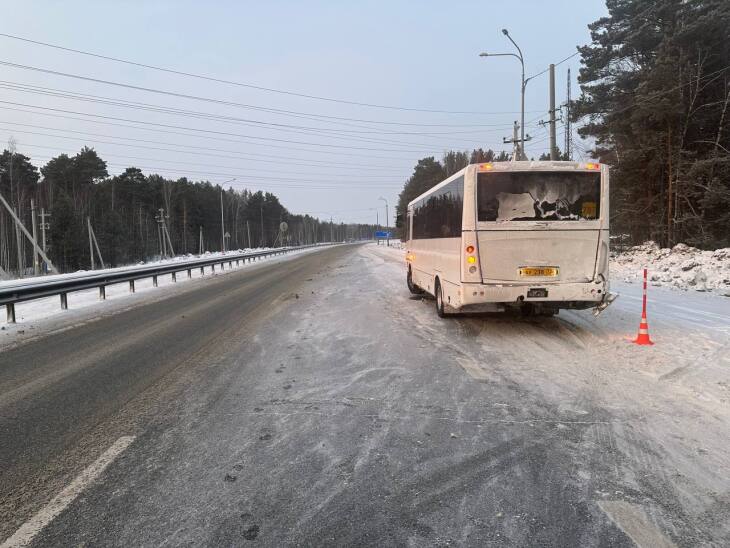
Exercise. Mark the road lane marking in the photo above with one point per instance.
(632, 520)
(60, 502)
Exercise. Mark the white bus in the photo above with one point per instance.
(526, 235)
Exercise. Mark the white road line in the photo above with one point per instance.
(58, 504)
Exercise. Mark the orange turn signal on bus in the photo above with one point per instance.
(470, 249)
(485, 167)
(592, 165)
(471, 259)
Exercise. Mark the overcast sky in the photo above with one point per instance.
(415, 55)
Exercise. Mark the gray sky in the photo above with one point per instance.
(416, 55)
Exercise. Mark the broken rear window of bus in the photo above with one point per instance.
(539, 196)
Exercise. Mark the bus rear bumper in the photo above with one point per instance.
(580, 295)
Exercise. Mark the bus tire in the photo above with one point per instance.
(439, 294)
(413, 288)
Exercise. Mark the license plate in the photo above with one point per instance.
(538, 271)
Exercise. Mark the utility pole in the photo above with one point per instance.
(568, 130)
(19, 225)
(169, 241)
(200, 249)
(553, 144)
(91, 243)
(162, 234)
(332, 231)
(515, 143)
(44, 226)
(36, 262)
(248, 232)
(19, 245)
(263, 241)
(223, 228)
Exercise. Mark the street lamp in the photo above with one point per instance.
(524, 84)
(387, 239)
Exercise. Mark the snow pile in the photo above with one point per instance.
(681, 267)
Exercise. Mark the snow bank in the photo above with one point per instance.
(16, 282)
(681, 267)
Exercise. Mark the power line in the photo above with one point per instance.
(544, 71)
(225, 133)
(341, 175)
(309, 131)
(194, 147)
(67, 94)
(233, 83)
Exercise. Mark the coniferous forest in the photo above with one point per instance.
(655, 106)
(123, 210)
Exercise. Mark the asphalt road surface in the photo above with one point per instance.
(313, 402)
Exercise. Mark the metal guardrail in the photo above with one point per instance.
(27, 291)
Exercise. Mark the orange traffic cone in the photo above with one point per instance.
(643, 336)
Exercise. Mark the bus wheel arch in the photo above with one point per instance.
(412, 287)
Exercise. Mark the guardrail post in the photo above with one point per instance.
(230, 264)
(237, 261)
(190, 273)
(202, 271)
(131, 286)
(154, 281)
(10, 312)
(102, 293)
(64, 301)
(222, 266)
(212, 269)
(174, 276)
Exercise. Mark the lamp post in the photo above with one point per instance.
(523, 85)
(387, 239)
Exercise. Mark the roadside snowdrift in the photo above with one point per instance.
(681, 267)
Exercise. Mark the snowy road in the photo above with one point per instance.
(315, 402)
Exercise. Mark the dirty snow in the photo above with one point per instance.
(16, 282)
(681, 267)
(41, 315)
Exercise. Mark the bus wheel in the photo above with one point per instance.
(439, 300)
(413, 288)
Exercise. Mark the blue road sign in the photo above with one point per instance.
(383, 235)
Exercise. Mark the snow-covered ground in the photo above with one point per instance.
(661, 412)
(681, 267)
(16, 282)
(40, 315)
(691, 329)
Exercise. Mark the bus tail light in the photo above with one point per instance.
(470, 269)
(593, 165)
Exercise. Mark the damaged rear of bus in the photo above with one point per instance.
(541, 236)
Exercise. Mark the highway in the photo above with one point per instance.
(313, 402)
